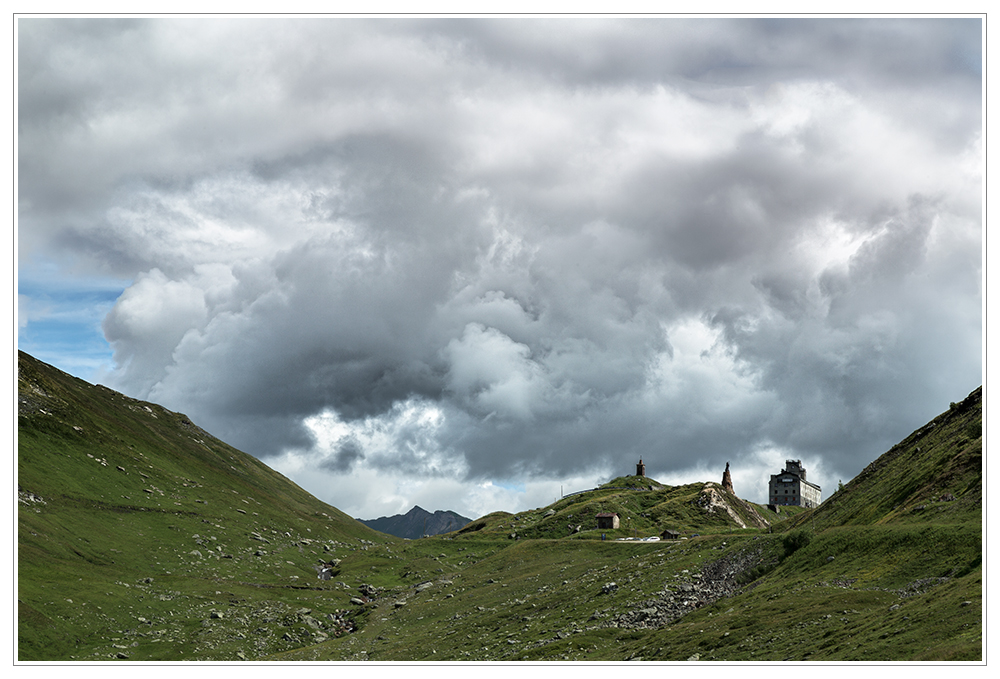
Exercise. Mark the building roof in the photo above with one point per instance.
(797, 478)
(606, 515)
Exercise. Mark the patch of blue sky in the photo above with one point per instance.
(514, 486)
(59, 320)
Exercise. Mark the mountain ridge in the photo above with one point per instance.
(418, 522)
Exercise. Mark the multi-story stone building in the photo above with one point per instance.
(791, 488)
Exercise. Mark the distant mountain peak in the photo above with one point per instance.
(418, 522)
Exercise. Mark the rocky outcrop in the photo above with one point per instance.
(713, 500)
(716, 580)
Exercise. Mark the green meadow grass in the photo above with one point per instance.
(143, 538)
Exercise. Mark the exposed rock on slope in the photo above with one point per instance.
(717, 580)
(715, 499)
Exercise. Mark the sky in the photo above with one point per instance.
(472, 264)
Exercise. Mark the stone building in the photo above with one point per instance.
(640, 469)
(607, 520)
(791, 488)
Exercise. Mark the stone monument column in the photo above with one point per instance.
(727, 480)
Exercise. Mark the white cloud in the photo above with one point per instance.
(29, 309)
(476, 253)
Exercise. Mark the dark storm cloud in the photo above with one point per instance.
(857, 360)
(906, 52)
(462, 249)
(348, 452)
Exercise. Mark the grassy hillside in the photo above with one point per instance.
(933, 476)
(134, 522)
(141, 537)
(645, 507)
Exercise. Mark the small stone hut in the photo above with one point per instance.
(607, 520)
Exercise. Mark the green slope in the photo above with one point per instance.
(645, 507)
(141, 537)
(127, 509)
(933, 476)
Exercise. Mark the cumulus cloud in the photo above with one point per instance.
(484, 259)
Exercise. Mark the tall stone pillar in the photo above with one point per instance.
(727, 480)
